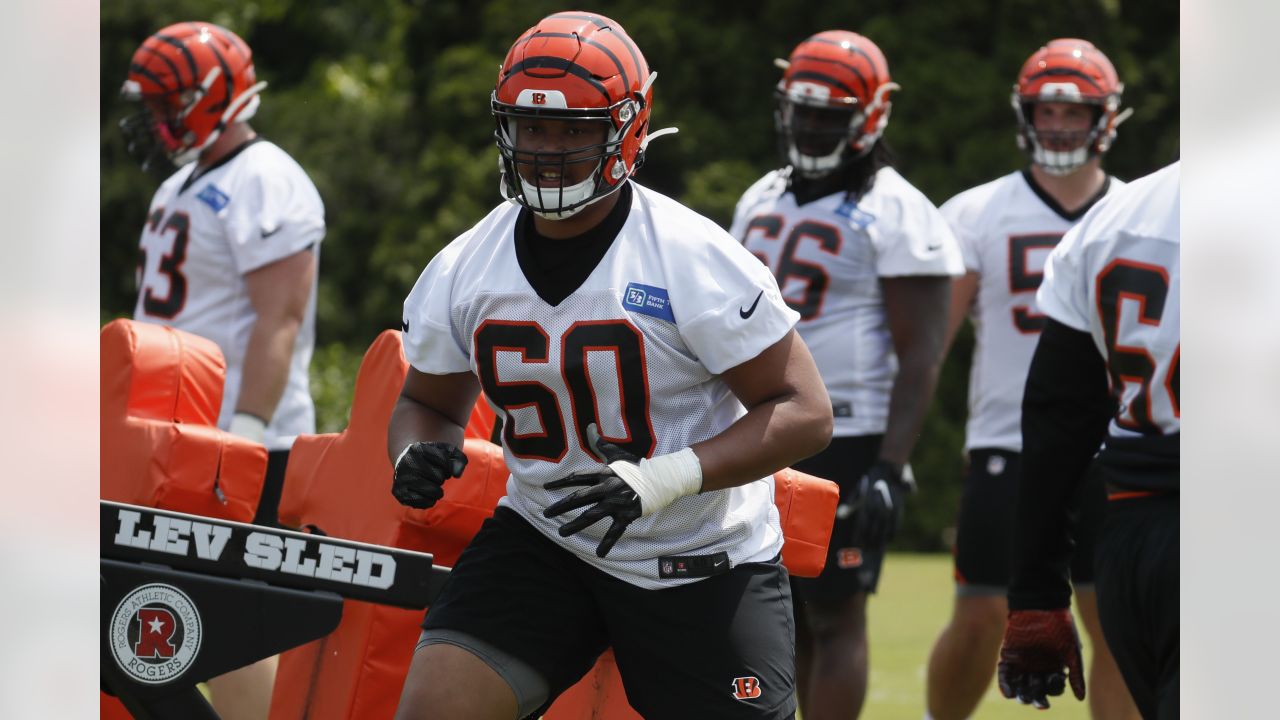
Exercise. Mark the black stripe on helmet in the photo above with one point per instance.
(598, 22)
(617, 63)
(142, 71)
(173, 69)
(1065, 72)
(593, 19)
(862, 81)
(852, 48)
(226, 78)
(820, 77)
(555, 63)
(641, 67)
(186, 52)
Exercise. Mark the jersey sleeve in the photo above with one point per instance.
(953, 211)
(275, 213)
(431, 343)
(916, 242)
(1064, 292)
(727, 304)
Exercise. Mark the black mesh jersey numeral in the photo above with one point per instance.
(1023, 280)
(171, 304)
(531, 341)
(627, 346)
(1148, 285)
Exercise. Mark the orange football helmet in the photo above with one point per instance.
(193, 79)
(1068, 70)
(833, 101)
(573, 66)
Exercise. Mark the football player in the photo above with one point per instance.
(649, 381)
(1067, 101)
(1105, 373)
(866, 260)
(230, 249)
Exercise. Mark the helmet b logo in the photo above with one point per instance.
(746, 688)
(539, 98)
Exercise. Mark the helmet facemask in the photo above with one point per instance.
(544, 181)
(819, 134)
(1062, 152)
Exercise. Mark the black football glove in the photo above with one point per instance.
(608, 495)
(877, 506)
(1040, 647)
(421, 471)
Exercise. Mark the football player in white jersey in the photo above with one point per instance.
(1105, 372)
(866, 260)
(1067, 101)
(650, 382)
(230, 251)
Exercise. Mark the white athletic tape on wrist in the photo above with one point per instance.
(249, 427)
(662, 480)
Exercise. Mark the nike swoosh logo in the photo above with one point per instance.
(748, 312)
(931, 248)
(275, 230)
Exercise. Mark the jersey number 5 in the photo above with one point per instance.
(170, 264)
(1022, 279)
(616, 337)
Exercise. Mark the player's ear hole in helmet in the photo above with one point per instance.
(565, 75)
(1065, 72)
(191, 80)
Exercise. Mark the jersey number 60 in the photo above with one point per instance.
(531, 341)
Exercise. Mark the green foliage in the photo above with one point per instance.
(385, 103)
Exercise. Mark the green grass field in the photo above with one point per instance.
(906, 615)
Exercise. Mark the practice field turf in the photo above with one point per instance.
(906, 615)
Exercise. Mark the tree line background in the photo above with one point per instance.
(386, 105)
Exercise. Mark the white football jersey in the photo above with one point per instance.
(1116, 276)
(828, 257)
(1006, 230)
(200, 240)
(637, 348)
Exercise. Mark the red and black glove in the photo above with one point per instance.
(1040, 648)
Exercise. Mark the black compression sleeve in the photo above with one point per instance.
(1065, 411)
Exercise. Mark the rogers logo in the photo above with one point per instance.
(155, 633)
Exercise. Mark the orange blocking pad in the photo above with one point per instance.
(160, 447)
(341, 484)
(161, 393)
